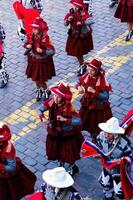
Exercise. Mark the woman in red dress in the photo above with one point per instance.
(124, 12)
(79, 40)
(16, 180)
(95, 106)
(64, 137)
(40, 58)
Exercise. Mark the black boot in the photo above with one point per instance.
(46, 94)
(129, 35)
(39, 95)
(112, 4)
(82, 69)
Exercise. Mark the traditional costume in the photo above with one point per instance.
(40, 65)
(115, 181)
(16, 180)
(58, 185)
(26, 11)
(124, 12)
(3, 70)
(95, 106)
(79, 40)
(64, 138)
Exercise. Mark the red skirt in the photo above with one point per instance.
(64, 148)
(79, 46)
(125, 12)
(20, 184)
(40, 69)
(91, 118)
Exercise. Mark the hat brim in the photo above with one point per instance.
(103, 126)
(56, 91)
(59, 184)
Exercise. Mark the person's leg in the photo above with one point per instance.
(130, 33)
(80, 59)
(113, 3)
(39, 91)
(117, 187)
(106, 182)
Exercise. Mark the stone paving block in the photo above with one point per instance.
(21, 148)
(30, 161)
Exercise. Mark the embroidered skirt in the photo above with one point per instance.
(124, 11)
(79, 46)
(40, 69)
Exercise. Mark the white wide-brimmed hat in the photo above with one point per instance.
(111, 126)
(58, 177)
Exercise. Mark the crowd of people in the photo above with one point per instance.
(64, 122)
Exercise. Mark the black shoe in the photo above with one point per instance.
(46, 94)
(39, 95)
(3, 84)
(82, 69)
(129, 35)
(112, 4)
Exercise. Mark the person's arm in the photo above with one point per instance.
(10, 165)
(103, 95)
(43, 107)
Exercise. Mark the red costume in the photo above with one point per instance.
(16, 180)
(79, 40)
(40, 65)
(64, 138)
(95, 107)
(28, 15)
(124, 11)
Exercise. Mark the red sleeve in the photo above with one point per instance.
(10, 151)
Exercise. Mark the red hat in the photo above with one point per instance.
(95, 64)
(39, 23)
(62, 91)
(5, 133)
(77, 3)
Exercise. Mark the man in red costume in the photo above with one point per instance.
(26, 12)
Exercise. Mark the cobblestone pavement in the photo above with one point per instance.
(17, 100)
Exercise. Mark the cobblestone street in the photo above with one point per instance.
(18, 106)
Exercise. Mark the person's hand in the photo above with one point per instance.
(70, 18)
(39, 50)
(79, 23)
(80, 90)
(90, 89)
(60, 118)
(28, 46)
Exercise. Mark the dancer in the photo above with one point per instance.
(64, 136)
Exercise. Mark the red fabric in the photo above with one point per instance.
(77, 3)
(77, 43)
(127, 184)
(8, 151)
(87, 151)
(62, 91)
(124, 11)
(79, 47)
(5, 133)
(18, 184)
(92, 117)
(37, 196)
(40, 70)
(27, 15)
(60, 144)
(127, 123)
